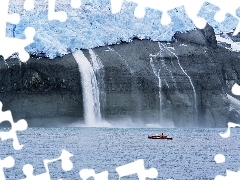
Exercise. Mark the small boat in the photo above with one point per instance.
(159, 137)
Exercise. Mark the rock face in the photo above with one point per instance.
(184, 83)
(42, 91)
(205, 37)
(161, 82)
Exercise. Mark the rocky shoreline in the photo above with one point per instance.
(185, 82)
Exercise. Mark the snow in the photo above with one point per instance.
(234, 103)
(93, 25)
(235, 46)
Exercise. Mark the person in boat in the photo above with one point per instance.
(163, 136)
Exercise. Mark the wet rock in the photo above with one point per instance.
(43, 89)
(204, 36)
(184, 82)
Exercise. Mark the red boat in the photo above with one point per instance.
(159, 137)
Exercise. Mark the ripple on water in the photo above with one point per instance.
(190, 155)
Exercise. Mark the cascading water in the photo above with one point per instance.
(190, 80)
(157, 74)
(96, 63)
(165, 66)
(90, 89)
(99, 72)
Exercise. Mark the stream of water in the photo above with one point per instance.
(92, 112)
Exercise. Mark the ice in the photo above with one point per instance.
(235, 103)
(91, 23)
(235, 46)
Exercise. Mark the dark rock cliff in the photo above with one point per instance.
(42, 91)
(184, 82)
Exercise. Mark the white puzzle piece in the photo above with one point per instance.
(20, 125)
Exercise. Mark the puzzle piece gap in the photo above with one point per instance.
(29, 5)
(7, 48)
(65, 161)
(20, 125)
(137, 167)
(219, 16)
(227, 133)
(230, 175)
(13, 18)
(139, 11)
(53, 15)
(116, 6)
(7, 162)
(166, 19)
(76, 3)
(236, 89)
(28, 170)
(87, 173)
(219, 158)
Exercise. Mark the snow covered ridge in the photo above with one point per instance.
(234, 46)
(93, 24)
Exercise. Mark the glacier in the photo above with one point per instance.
(93, 25)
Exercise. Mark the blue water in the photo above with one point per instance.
(190, 155)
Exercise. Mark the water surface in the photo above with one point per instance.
(190, 155)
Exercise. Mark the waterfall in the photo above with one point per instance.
(99, 72)
(165, 66)
(157, 74)
(190, 80)
(96, 63)
(90, 89)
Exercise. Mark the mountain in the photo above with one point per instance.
(137, 69)
(186, 82)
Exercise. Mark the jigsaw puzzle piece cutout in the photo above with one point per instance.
(164, 7)
(191, 9)
(5, 17)
(28, 172)
(76, 3)
(230, 175)
(53, 15)
(192, 12)
(5, 115)
(6, 43)
(236, 89)
(116, 6)
(87, 173)
(13, 18)
(28, 5)
(225, 7)
(66, 166)
(20, 125)
(160, 5)
(65, 156)
(7, 162)
(137, 167)
(227, 133)
(7, 48)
